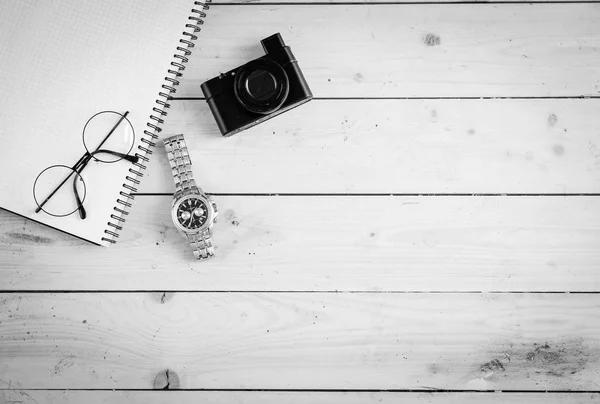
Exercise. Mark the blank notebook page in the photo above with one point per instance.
(61, 63)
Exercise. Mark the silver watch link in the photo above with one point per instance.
(193, 212)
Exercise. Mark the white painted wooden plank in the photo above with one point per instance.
(327, 243)
(413, 50)
(261, 397)
(301, 341)
(394, 146)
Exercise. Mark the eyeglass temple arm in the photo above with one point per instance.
(80, 208)
(86, 159)
(128, 157)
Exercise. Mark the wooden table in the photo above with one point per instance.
(426, 230)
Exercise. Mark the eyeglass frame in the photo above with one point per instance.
(80, 165)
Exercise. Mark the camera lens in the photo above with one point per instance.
(261, 86)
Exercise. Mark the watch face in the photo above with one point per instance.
(192, 213)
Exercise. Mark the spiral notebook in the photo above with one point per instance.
(85, 87)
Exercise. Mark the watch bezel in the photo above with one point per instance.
(209, 219)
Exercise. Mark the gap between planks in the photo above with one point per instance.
(565, 97)
(390, 2)
(407, 292)
(283, 194)
(287, 397)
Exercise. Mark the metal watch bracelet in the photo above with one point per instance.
(181, 167)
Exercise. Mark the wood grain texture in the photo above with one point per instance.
(327, 243)
(378, 341)
(260, 397)
(453, 50)
(394, 146)
(301, 341)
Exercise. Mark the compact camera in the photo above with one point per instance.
(257, 91)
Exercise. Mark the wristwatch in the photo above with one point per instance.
(193, 212)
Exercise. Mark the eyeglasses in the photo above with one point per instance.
(98, 130)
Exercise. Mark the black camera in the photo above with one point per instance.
(258, 90)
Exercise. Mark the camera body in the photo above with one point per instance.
(257, 91)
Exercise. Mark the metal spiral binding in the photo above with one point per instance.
(196, 19)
